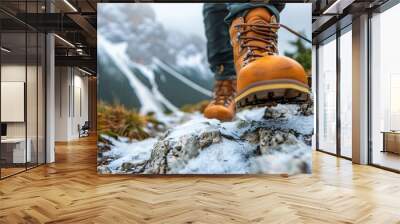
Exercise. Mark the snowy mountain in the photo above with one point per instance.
(144, 66)
(157, 87)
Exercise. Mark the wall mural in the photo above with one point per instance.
(223, 88)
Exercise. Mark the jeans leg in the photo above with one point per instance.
(219, 49)
(240, 9)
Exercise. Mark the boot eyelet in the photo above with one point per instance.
(238, 36)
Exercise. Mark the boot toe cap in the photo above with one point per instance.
(219, 112)
(271, 68)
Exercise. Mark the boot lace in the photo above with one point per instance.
(224, 92)
(263, 41)
(264, 33)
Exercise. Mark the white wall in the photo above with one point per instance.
(62, 81)
(80, 112)
(16, 73)
(71, 94)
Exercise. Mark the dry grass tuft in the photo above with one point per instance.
(116, 121)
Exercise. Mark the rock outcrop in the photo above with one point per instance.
(264, 140)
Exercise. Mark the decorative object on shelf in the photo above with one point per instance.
(391, 141)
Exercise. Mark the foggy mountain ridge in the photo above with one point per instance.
(157, 87)
(136, 25)
(138, 57)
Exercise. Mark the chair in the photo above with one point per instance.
(84, 130)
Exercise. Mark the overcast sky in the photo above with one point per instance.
(188, 17)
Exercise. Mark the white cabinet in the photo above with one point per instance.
(17, 147)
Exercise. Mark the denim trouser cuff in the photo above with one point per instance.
(224, 71)
(240, 9)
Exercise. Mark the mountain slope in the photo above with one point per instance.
(158, 87)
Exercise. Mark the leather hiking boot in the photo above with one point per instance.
(264, 77)
(222, 107)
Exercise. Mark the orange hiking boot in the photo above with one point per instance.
(222, 107)
(264, 77)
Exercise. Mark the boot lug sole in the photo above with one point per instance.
(273, 94)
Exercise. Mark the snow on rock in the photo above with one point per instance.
(126, 153)
(272, 140)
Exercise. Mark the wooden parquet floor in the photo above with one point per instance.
(70, 191)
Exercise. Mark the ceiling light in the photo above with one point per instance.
(84, 71)
(80, 51)
(338, 6)
(65, 41)
(5, 50)
(70, 5)
(331, 7)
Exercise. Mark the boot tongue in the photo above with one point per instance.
(258, 14)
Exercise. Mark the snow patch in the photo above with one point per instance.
(135, 152)
(227, 157)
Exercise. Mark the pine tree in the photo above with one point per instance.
(302, 54)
